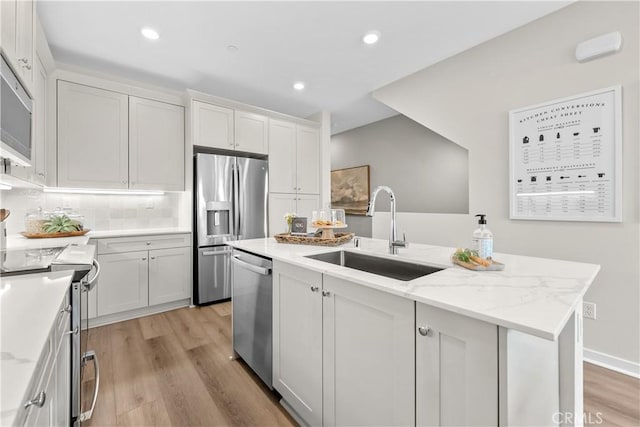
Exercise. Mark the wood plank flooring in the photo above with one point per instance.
(174, 369)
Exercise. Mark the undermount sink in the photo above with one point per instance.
(392, 268)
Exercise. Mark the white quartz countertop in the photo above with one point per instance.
(99, 234)
(17, 241)
(28, 309)
(532, 295)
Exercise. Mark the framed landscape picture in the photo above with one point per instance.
(350, 189)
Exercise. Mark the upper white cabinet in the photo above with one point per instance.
(156, 145)
(215, 126)
(212, 126)
(108, 139)
(18, 37)
(251, 132)
(93, 140)
(456, 369)
(39, 149)
(294, 153)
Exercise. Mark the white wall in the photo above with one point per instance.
(467, 99)
(101, 212)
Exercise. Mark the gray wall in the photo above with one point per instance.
(467, 98)
(427, 172)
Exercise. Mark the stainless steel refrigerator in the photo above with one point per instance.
(230, 203)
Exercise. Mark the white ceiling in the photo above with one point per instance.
(279, 43)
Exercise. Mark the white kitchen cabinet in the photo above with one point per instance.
(368, 356)
(124, 282)
(18, 37)
(93, 140)
(212, 126)
(251, 132)
(343, 353)
(39, 123)
(169, 275)
(294, 156)
(297, 339)
(156, 145)
(456, 369)
(281, 203)
(43, 416)
(141, 275)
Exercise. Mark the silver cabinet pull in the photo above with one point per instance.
(326, 293)
(91, 356)
(314, 289)
(144, 259)
(37, 401)
(74, 332)
(424, 330)
(67, 309)
(153, 257)
(148, 243)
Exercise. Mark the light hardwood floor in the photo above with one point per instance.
(174, 369)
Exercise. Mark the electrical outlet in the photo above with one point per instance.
(589, 310)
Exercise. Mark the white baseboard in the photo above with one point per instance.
(617, 364)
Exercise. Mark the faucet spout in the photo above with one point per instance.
(394, 243)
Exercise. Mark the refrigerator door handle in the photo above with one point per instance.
(236, 201)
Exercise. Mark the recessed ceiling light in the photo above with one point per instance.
(150, 33)
(298, 86)
(371, 37)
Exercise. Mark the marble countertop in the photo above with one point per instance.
(100, 234)
(532, 295)
(17, 241)
(29, 305)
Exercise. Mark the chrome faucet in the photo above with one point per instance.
(394, 243)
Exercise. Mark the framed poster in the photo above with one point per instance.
(566, 158)
(350, 189)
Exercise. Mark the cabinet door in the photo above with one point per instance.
(297, 339)
(456, 369)
(279, 205)
(212, 126)
(93, 140)
(251, 132)
(124, 282)
(8, 27)
(25, 38)
(308, 159)
(368, 352)
(40, 124)
(282, 157)
(43, 416)
(305, 204)
(62, 366)
(169, 275)
(156, 145)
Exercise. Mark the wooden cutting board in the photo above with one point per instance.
(494, 266)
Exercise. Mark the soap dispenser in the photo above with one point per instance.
(483, 238)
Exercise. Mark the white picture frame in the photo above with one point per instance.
(565, 158)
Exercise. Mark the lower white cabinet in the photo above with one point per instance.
(343, 353)
(456, 369)
(281, 203)
(136, 279)
(169, 275)
(297, 339)
(124, 282)
(48, 401)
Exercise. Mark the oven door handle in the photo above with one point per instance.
(88, 285)
(91, 355)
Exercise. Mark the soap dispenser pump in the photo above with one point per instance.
(483, 238)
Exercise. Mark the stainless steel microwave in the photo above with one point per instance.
(15, 118)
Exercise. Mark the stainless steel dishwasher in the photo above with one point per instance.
(252, 312)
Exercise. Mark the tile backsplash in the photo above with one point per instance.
(101, 212)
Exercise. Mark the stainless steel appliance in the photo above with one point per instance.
(252, 312)
(15, 118)
(230, 203)
(80, 259)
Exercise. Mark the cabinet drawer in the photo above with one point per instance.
(142, 243)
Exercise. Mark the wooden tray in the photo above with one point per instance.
(51, 235)
(338, 239)
(494, 266)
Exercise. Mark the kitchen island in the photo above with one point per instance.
(530, 311)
